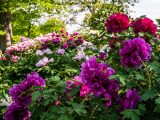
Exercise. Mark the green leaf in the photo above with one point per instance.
(74, 91)
(157, 108)
(35, 95)
(54, 78)
(131, 114)
(113, 77)
(150, 94)
(139, 77)
(122, 79)
(154, 66)
(141, 107)
(70, 71)
(157, 100)
(47, 91)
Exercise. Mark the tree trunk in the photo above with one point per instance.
(5, 26)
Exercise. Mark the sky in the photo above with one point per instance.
(150, 8)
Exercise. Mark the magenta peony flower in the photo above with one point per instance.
(76, 81)
(130, 100)
(134, 52)
(16, 112)
(144, 25)
(96, 76)
(117, 23)
(84, 91)
(65, 46)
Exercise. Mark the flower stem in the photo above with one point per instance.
(93, 111)
(149, 77)
(84, 99)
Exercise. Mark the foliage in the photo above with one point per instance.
(59, 59)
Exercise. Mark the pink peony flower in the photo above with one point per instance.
(80, 55)
(47, 51)
(44, 61)
(39, 52)
(42, 52)
(60, 51)
(14, 58)
(57, 102)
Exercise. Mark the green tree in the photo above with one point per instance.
(5, 24)
(96, 11)
(52, 25)
(23, 14)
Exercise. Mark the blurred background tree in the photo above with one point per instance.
(21, 15)
(24, 17)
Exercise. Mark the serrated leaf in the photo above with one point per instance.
(157, 108)
(122, 80)
(35, 95)
(141, 107)
(154, 66)
(139, 77)
(54, 78)
(47, 91)
(157, 100)
(113, 77)
(131, 114)
(150, 94)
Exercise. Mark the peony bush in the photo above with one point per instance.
(58, 76)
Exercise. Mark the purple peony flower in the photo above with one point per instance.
(130, 100)
(34, 79)
(16, 112)
(56, 40)
(20, 92)
(96, 76)
(102, 56)
(108, 101)
(134, 52)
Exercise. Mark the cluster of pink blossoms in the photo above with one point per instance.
(76, 81)
(21, 46)
(64, 39)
